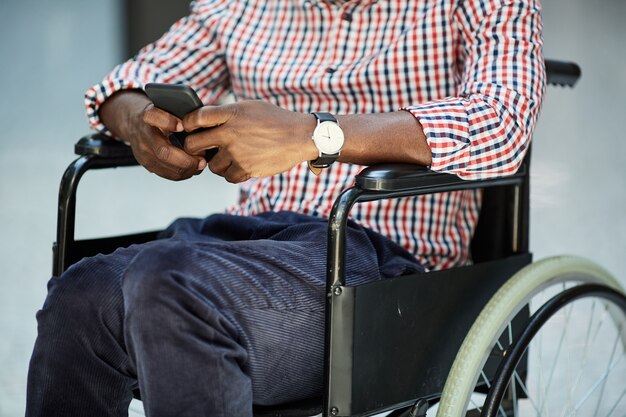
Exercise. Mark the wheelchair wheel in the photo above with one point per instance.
(576, 352)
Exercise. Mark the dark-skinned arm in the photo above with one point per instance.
(258, 139)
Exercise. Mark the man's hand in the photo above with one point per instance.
(130, 115)
(255, 138)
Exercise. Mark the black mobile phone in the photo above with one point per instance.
(177, 99)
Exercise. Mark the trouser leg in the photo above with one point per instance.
(184, 319)
(206, 326)
(223, 327)
(79, 366)
(187, 353)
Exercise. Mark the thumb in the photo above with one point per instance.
(161, 119)
(207, 116)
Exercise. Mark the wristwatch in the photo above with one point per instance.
(328, 138)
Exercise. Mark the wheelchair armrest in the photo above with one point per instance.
(398, 180)
(103, 146)
(392, 181)
(398, 177)
(96, 151)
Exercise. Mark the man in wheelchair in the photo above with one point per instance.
(228, 311)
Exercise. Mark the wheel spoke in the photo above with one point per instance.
(608, 369)
(526, 392)
(597, 384)
(570, 395)
(558, 352)
(475, 405)
(512, 383)
(542, 378)
(619, 400)
(605, 313)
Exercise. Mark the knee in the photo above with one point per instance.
(153, 268)
(153, 278)
(166, 288)
(87, 294)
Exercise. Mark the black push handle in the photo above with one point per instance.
(561, 73)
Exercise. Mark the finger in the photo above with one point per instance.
(161, 119)
(208, 116)
(197, 143)
(234, 174)
(174, 159)
(178, 159)
(220, 163)
(169, 172)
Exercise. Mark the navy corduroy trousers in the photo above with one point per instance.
(217, 315)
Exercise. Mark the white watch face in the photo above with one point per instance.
(328, 137)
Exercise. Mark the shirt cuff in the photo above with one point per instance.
(446, 127)
(96, 95)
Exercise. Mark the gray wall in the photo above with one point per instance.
(579, 153)
(146, 20)
(50, 52)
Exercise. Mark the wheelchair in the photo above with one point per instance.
(458, 342)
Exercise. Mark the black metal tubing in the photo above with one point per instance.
(425, 184)
(66, 214)
(519, 346)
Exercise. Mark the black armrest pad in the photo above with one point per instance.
(404, 179)
(103, 146)
(400, 177)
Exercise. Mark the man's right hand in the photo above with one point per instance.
(131, 116)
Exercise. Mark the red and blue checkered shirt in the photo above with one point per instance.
(471, 71)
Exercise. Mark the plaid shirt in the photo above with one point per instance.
(471, 71)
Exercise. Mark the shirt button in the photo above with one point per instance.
(331, 70)
(347, 17)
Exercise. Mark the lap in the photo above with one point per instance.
(264, 275)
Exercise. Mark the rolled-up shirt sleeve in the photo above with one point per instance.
(190, 52)
(486, 129)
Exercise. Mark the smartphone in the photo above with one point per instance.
(177, 99)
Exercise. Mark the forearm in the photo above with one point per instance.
(259, 139)
(383, 137)
(375, 138)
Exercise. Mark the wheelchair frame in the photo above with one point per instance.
(365, 323)
(373, 312)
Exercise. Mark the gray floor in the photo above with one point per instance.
(579, 174)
